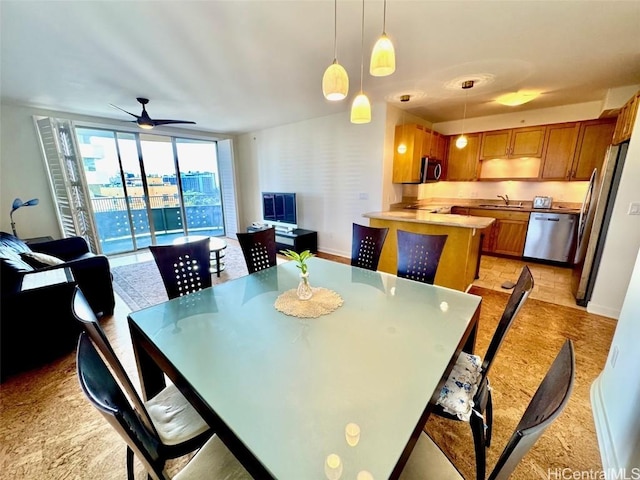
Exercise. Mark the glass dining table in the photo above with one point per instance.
(344, 395)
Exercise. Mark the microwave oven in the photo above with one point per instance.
(430, 170)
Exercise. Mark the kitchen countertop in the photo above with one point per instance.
(445, 205)
(424, 216)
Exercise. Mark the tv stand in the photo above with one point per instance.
(297, 239)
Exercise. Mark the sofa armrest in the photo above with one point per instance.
(65, 249)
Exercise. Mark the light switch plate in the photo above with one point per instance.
(634, 208)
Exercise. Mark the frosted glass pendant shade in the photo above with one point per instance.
(383, 57)
(461, 142)
(335, 82)
(361, 109)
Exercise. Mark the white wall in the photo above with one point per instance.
(22, 170)
(335, 168)
(623, 238)
(615, 395)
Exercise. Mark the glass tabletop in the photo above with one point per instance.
(291, 389)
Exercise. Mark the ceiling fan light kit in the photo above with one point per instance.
(145, 121)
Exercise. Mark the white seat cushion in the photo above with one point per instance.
(174, 417)
(456, 397)
(213, 461)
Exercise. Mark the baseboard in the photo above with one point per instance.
(605, 442)
(603, 310)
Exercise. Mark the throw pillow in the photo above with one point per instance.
(40, 260)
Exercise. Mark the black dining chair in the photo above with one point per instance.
(213, 460)
(176, 426)
(466, 395)
(184, 268)
(419, 255)
(366, 246)
(259, 249)
(427, 460)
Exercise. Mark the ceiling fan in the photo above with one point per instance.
(144, 120)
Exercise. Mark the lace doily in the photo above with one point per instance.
(323, 301)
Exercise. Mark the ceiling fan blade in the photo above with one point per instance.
(115, 106)
(167, 122)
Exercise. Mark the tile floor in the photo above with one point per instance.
(551, 283)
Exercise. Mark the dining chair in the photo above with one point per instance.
(175, 425)
(259, 249)
(185, 267)
(551, 397)
(466, 395)
(366, 246)
(213, 460)
(419, 255)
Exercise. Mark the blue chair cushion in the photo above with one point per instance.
(456, 397)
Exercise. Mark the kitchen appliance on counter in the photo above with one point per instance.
(551, 236)
(595, 217)
(542, 202)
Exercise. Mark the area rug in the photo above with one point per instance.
(140, 284)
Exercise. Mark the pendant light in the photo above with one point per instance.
(361, 108)
(383, 56)
(461, 141)
(335, 81)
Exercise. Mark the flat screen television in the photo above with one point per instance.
(279, 208)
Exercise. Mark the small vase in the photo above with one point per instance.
(304, 291)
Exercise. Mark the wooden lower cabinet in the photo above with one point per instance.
(507, 235)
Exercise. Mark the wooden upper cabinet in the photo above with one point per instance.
(593, 140)
(462, 164)
(513, 143)
(558, 151)
(434, 145)
(406, 165)
(626, 120)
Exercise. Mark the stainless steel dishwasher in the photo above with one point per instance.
(551, 236)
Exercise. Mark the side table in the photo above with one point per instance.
(217, 247)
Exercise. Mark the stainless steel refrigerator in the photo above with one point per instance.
(594, 222)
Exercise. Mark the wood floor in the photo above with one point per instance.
(49, 431)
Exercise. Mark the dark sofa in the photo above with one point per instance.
(37, 325)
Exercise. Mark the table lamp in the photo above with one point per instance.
(17, 203)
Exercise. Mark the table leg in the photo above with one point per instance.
(151, 376)
(218, 263)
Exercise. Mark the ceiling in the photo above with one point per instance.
(239, 66)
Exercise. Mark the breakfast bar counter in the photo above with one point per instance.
(461, 254)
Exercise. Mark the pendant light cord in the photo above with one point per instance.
(362, 48)
(335, 30)
(384, 18)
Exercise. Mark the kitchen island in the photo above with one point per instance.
(459, 262)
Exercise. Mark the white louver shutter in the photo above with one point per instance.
(227, 187)
(67, 180)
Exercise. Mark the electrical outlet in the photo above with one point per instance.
(634, 208)
(363, 196)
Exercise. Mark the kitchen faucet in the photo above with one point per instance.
(505, 198)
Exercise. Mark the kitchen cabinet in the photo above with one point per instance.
(594, 138)
(435, 145)
(407, 153)
(513, 143)
(462, 164)
(626, 120)
(558, 151)
(507, 235)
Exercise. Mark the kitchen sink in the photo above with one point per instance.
(486, 205)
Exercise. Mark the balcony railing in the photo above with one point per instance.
(204, 214)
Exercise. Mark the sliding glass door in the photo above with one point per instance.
(150, 189)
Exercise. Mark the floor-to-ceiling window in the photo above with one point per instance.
(150, 189)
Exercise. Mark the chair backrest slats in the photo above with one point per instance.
(366, 246)
(185, 268)
(419, 255)
(258, 249)
(547, 403)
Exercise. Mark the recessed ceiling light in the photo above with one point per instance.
(517, 98)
